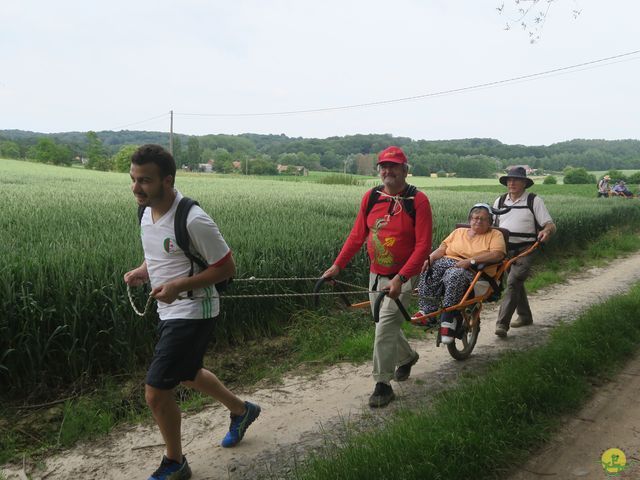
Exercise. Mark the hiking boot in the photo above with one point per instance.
(172, 470)
(239, 425)
(403, 371)
(382, 395)
(501, 331)
(521, 322)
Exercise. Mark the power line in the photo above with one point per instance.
(141, 121)
(581, 66)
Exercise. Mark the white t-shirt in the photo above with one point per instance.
(521, 220)
(166, 261)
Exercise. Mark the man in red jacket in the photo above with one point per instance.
(396, 224)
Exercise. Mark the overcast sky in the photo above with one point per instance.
(111, 65)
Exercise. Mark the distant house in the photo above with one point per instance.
(237, 165)
(527, 168)
(292, 170)
(206, 167)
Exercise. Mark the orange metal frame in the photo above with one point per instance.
(466, 301)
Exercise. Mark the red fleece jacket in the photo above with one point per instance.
(395, 244)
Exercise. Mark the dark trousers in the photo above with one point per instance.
(515, 296)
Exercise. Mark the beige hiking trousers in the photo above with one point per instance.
(390, 348)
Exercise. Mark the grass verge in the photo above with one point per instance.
(485, 425)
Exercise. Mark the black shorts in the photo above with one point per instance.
(179, 352)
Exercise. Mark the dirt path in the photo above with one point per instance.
(303, 413)
(611, 419)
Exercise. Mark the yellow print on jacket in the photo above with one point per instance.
(382, 255)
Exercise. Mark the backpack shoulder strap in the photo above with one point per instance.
(530, 200)
(501, 201)
(374, 195)
(182, 234)
(141, 209)
(409, 201)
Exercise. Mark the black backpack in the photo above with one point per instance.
(408, 197)
(529, 205)
(183, 240)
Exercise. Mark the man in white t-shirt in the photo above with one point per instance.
(527, 221)
(187, 304)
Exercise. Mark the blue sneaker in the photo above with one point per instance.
(171, 470)
(239, 425)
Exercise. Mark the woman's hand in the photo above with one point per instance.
(464, 263)
(426, 265)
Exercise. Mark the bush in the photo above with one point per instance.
(475, 166)
(441, 174)
(634, 178)
(262, 167)
(616, 175)
(340, 179)
(550, 180)
(121, 161)
(48, 151)
(578, 176)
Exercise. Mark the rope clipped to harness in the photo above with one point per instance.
(398, 202)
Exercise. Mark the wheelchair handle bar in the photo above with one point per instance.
(378, 304)
(316, 289)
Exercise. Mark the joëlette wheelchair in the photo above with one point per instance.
(483, 288)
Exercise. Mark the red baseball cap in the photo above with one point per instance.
(392, 155)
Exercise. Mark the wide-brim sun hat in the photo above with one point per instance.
(516, 172)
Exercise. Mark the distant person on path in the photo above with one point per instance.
(621, 189)
(187, 305)
(395, 221)
(527, 221)
(603, 186)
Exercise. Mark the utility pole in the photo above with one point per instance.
(171, 133)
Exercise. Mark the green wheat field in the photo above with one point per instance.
(69, 235)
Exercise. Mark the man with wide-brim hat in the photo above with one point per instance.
(528, 220)
(603, 186)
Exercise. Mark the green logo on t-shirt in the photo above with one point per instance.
(169, 245)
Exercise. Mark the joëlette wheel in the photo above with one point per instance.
(461, 348)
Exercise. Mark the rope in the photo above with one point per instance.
(346, 284)
(273, 279)
(289, 279)
(271, 295)
(133, 305)
(362, 290)
(397, 202)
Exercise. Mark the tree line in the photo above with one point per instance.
(259, 154)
